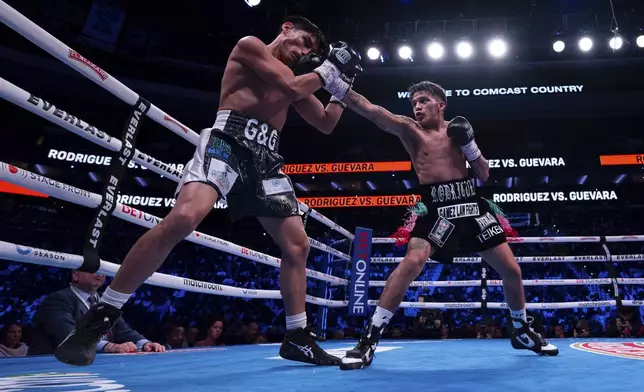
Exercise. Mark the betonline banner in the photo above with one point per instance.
(360, 261)
(494, 91)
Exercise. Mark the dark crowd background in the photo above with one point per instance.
(175, 60)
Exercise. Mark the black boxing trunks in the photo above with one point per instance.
(238, 157)
(456, 220)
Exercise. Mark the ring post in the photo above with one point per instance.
(484, 271)
(612, 274)
(360, 262)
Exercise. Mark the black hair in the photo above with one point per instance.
(433, 89)
(302, 23)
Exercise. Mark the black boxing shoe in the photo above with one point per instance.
(525, 338)
(300, 345)
(79, 347)
(363, 353)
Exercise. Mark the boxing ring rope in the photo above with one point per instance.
(76, 125)
(525, 259)
(530, 282)
(75, 195)
(84, 198)
(41, 38)
(540, 240)
(26, 254)
(73, 59)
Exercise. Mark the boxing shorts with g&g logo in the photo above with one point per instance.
(238, 157)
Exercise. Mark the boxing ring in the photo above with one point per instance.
(458, 365)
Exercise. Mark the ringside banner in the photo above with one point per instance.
(509, 162)
(360, 260)
(568, 196)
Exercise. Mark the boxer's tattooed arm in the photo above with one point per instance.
(481, 168)
(380, 116)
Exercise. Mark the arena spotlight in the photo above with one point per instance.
(640, 41)
(405, 52)
(616, 43)
(497, 48)
(585, 44)
(435, 51)
(252, 3)
(559, 46)
(464, 50)
(373, 53)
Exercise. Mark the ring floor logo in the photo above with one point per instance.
(68, 382)
(631, 350)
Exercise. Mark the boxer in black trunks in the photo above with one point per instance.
(455, 215)
(237, 159)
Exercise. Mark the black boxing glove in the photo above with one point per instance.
(306, 64)
(460, 130)
(342, 59)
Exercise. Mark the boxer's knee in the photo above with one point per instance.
(503, 261)
(418, 251)
(296, 250)
(193, 204)
(512, 270)
(180, 222)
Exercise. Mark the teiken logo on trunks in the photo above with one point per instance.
(259, 133)
(460, 190)
(485, 221)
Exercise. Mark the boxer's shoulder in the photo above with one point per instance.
(249, 46)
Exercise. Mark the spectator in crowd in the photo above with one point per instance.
(11, 344)
(428, 324)
(251, 335)
(192, 336)
(627, 324)
(559, 331)
(175, 337)
(213, 335)
(582, 330)
(59, 312)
